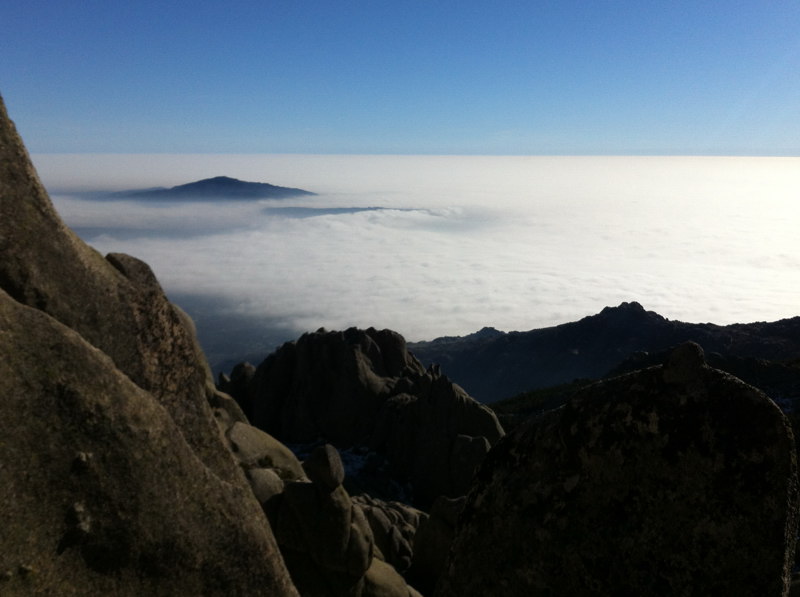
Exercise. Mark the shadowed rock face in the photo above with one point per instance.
(362, 387)
(674, 480)
(114, 476)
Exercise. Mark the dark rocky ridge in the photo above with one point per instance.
(492, 365)
(219, 187)
(674, 480)
(363, 388)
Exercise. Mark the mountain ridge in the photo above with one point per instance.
(503, 364)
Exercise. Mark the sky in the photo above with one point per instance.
(404, 77)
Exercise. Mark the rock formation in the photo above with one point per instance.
(326, 537)
(432, 543)
(674, 480)
(115, 478)
(394, 526)
(116, 304)
(364, 388)
(99, 492)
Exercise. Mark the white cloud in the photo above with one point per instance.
(515, 243)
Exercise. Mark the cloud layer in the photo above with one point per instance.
(451, 244)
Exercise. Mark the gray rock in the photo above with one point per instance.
(324, 467)
(685, 364)
(381, 580)
(673, 480)
(432, 543)
(114, 479)
(325, 539)
(115, 304)
(266, 484)
(394, 527)
(363, 387)
(225, 408)
(238, 386)
(466, 454)
(100, 494)
(256, 449)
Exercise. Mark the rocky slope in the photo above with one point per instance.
(115, 478)
(100, 494)
(492, 365)
(674, 480)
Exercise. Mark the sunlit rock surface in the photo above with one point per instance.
(115, 478)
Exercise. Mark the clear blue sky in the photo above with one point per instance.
(467, 77)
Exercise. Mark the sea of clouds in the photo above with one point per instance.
(444, 245)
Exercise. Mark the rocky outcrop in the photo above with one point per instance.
(115, 304)
(239, 385)
(100, 494)
(394, 526)
(432, 543)
(675, 480)
(364, 388)
(325, 537)
(115, 477)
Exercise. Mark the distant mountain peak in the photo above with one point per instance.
(625, 306)
(218, 187)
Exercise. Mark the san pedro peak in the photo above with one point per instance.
(218, 187)
(125, 471)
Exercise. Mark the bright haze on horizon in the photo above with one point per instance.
(507, 78)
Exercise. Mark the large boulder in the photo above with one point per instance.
(114, 303)
(394, 526)
(100, 494)
(326, 538)
(115, 475)
(432, 543)
(363, 388)
(675, 480)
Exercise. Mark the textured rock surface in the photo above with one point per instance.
(326, 538)
(115, 304)
(394, 526)
(381, 580)
(114, 476)
(254, 448)
(324, 467)
(674, 480)
(432, 543)
(364, 388)
(99, 492)
(238, 385)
